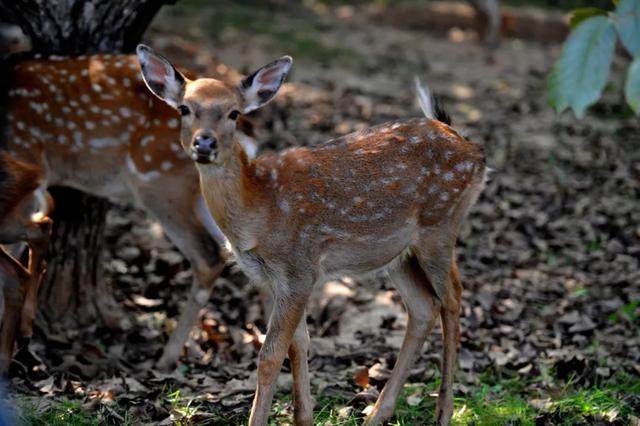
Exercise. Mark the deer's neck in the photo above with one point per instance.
(234, 199)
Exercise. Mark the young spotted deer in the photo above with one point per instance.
(90, 123)
(388, 198)
(24, 206)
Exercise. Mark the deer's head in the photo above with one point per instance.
(209, 107)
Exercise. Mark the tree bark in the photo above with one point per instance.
(74, 292)
(79, 27)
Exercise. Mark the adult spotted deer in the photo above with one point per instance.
(89, 123)
(24, 206)
(388, 198)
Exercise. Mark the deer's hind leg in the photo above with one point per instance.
(303, 402)
(450, 318)
(38, 247)
(423, 308)
(436, 257)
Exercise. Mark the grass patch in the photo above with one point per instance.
(494, 401)
(493, 405)
(505, 401)
(64, 413)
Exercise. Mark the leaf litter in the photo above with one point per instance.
(550, 255)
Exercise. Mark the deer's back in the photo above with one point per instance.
(94, 113)
(368, 189)
(415, 165)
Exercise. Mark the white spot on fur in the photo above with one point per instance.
(145, 177)
(284, 206)
(103, 142)
(465, 166)
(146, 140)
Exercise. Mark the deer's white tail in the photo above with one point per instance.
(429, 104)
(424, 98)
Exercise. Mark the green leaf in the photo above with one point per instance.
(584, 13)
(578, 78)
(628, 23)
(632, 87)
(630, 310)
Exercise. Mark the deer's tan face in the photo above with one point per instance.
(209, 112)
(210, 108)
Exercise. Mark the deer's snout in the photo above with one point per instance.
(204, 147)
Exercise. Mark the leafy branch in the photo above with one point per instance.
(579, 76)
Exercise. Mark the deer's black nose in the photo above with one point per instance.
(204, 144)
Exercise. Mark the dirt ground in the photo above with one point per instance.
(550, 255)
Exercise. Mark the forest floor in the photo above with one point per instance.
(550, 255)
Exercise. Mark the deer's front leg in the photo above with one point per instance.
(288, 310)
(13, 279)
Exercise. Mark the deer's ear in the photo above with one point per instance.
(160, 76)
(261, 86)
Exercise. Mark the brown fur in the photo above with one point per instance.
(390, 198)
(17, 181)
(93, 124)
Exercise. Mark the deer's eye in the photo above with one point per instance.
(184, 110)
(233, 115)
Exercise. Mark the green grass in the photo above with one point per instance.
(64, 413)
(496, 400)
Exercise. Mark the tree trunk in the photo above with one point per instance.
(80, 27)
(74, 292)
